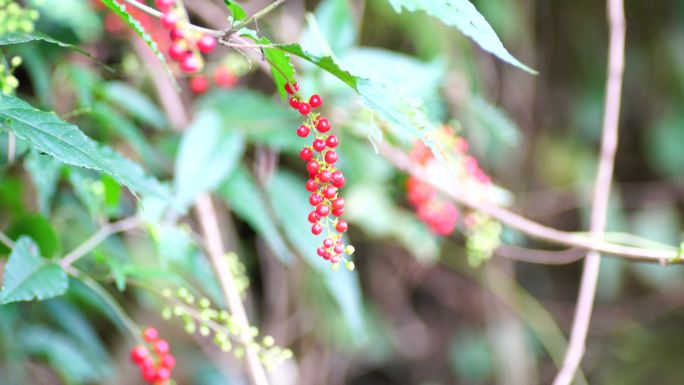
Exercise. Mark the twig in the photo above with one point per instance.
(263, 12)
(153, 12)
(547, 257)
(97, 238)
(6, 240)
(609, 141)
(206, 214)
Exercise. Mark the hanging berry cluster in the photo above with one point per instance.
(187, 45)
(325, 179)
(154, 358)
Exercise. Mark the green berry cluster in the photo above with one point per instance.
(238, 271)
(483, 236)
(15, 18)
(8, 82)
(200, 315)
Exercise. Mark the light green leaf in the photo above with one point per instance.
(463, 15)
(25, 37)
(208, 154)
(244, 198)
(65, 142)
(236, 10)
(290, 203)
(120, 10)
(334, 25)
(27, 276)
(136, 103)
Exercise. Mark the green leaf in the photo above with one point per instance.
(136, 103)
(120, 10)
(334, 24)
(325, 62)
(39, 229)
(290, 201)
(244, 198)
(208, 154)
(25, 37)
(27, 276)
(462, 15)
(45, 172)
(65, 142)
(236, 10)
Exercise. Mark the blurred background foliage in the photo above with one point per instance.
(416, 312)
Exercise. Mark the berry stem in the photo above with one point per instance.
(263, 12)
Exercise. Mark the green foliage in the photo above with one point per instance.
(66, 143)
(236, 10)
(26, 37)
(39, 229)
(463, 15)
(27, 276)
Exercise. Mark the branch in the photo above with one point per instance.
(609, 141)
(533, 229)
(206, 214)
(103, 233)
(547, 257)
(6, 240)
(153, 12)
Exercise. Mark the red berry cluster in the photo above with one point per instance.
(223, 78)
(325, 179)
(154, 358)
(439, 214)
(187, 45)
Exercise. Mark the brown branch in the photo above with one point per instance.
(546, 257)
(609, 141)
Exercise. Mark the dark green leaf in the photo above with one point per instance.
(27, 276)
(463, 15)
(39, 229)
(325, 62)
(64, 141)
(25, 37)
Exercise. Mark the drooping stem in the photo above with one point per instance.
(609, 141)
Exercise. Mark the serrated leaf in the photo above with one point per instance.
(26, 37)
(66, 143)
(208, 153)
(325, 62)
(236, 10)
(462, 15)
(120, 10)
(27, 276)
(244, 198)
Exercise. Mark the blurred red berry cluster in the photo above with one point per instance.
(154, 358)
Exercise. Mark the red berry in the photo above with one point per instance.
(322, 125)
(338, 203)
(224, 77)
(164, 5)
(311, 185)
(199, 85)
(206, 44)
(176, 34)
(320, 251)
(338, 212)
(314, 217)
(339, 249)
(294, 102)
(316, 229)
(138, 354)
(161, 347)
(324, 176)
(169, 19)
(315, 199)
(332, 141)
(178, 51)
(288, 88)
(330, 192)
(331, 156)
(150, 334)
(191, 64)
(323, 210)
(303, 131)
(318, 145)
(149, 374)
(312, 167)
(342, 226)
(168, 361)
(304, 108)
(338, 179)
(315, 101)
(335, 260)
(306, 154)
(163, 374)
(328, 243)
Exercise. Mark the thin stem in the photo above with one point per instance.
(263, 12)
(6, 240)
(97, 238)
(206, 214)
(11, 146)
(547, 257)
(153, 12)
(609, 141)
